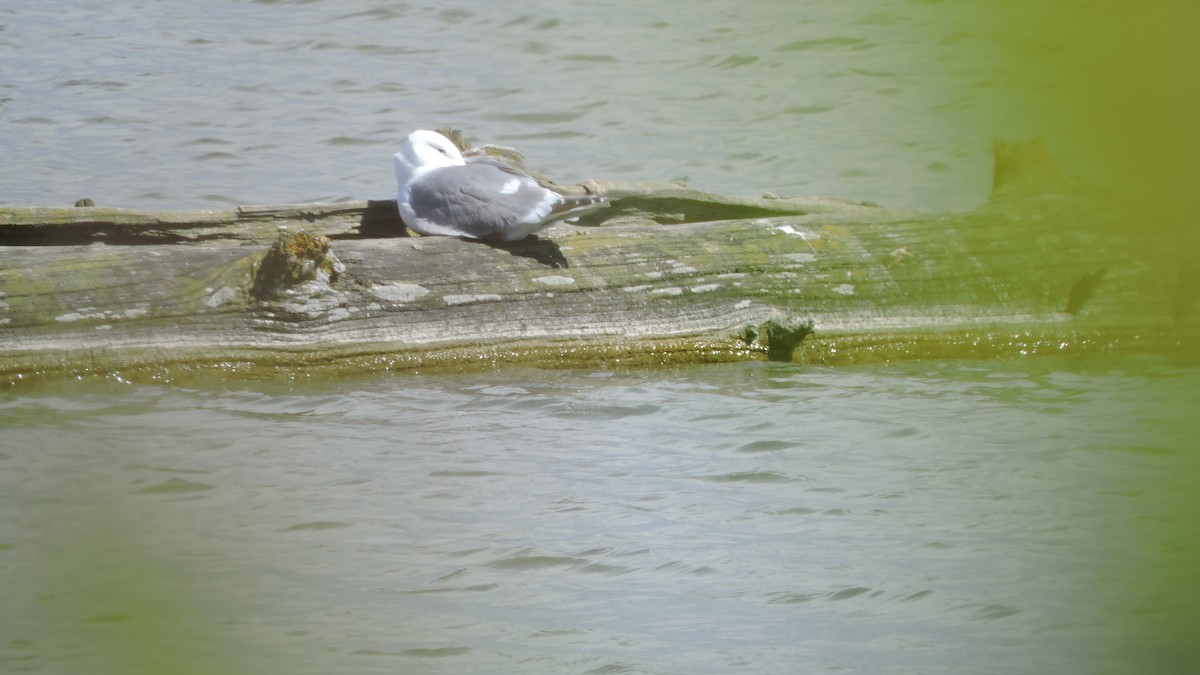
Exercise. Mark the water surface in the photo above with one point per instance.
(953, 517)
(172, 104)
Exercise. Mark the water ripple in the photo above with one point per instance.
(174, 486)
(826, 44)
(753, 477)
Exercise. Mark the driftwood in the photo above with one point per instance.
(663, 276)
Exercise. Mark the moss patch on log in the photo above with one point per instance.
(295, 258)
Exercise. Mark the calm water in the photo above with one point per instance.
(1017, 517)
(171, 103)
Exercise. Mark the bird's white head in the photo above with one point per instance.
(425, 150)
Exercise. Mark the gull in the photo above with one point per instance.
(443, 194)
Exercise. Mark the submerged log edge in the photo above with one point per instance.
(665, 276)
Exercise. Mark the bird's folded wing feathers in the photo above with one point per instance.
(480, 197)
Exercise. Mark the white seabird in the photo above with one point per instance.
(442, 193)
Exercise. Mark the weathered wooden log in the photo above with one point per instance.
(663, 276)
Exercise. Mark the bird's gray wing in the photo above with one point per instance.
(480, 199)
(565, 206)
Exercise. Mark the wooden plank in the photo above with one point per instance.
(665, 275)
